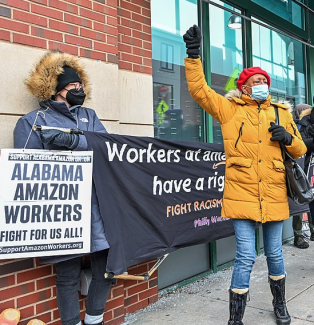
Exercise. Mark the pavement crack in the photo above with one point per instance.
(298, 294)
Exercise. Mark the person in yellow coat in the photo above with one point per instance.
(255, 186)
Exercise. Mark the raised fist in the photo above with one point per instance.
(192, 39)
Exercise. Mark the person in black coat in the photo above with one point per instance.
(60, 84)
(304, 119)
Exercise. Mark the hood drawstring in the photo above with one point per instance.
(32, 128)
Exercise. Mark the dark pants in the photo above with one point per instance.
(311, 205)
(297, 223)
(67, 280)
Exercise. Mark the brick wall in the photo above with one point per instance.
(114, 31)
(134, 28)
(30, 287)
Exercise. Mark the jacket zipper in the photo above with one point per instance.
(259, 110)
(240, 133)
(76, 119)
(259, 106)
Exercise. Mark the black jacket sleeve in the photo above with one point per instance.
(309, 144)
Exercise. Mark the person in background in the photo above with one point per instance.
(60, 83)
(297, 224)
(255, 190)
(299, 239)
(304, 118)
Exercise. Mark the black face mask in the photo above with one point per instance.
(75, 97)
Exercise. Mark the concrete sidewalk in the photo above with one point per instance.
(206, 301)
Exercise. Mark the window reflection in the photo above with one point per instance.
(282, 58)
(226, 59)
(166, 57)
(176, 116)
(286, 9)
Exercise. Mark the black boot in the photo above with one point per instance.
(300, 242)
(279, 302)
(83, 323)
(237, 303)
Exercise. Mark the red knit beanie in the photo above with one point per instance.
(247, 73)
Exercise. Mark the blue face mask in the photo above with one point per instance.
(260, 92)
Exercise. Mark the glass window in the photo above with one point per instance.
(176, 116)
(226, 58)
(166, 57)
(286, 9)
(283, 59)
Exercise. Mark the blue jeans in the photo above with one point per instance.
(245, 254)
(67, 280)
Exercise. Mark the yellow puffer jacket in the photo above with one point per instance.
(255, 186)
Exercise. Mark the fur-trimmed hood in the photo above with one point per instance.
(233, 93)
(42, 81)
(236, 93)
(305, 112)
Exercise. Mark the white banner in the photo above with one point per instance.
(45, 202)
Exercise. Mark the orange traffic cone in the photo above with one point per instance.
(10, 316)
(36, 322)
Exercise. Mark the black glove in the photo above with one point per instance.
(280, 134)
(192, 39)
(59, 138)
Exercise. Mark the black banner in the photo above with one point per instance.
(157, 196)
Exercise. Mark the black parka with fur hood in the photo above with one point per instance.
(42, 84)
(304, 123)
